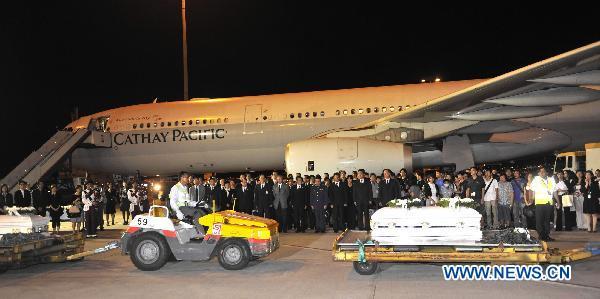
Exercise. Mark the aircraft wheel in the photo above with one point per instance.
(366, 268)
(234, 254)
(149, 252)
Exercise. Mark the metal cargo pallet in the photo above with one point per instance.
(357, 247)
(53, 249)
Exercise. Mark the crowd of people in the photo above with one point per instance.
(509, 198)
(91, 206)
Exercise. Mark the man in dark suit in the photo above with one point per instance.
(23, 196)
(197, 190)
(213, 194)
(319, 200)
(338, 202)
(244, 197)
(250, 181)
(363, 195)
(281, 192)
(39, 197)
(263, 198)
(226, 196)
(300, 201)
(389, 188)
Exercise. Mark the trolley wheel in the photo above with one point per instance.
(234, 254)
(149, 252)
(366, 268)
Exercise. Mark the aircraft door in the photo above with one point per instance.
(100, 132)
(253, 119)
(347, 149)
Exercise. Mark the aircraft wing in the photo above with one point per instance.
(548, 105)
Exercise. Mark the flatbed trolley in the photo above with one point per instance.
(358, 247)
(48, 249)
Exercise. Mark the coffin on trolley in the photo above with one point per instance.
(416, 226)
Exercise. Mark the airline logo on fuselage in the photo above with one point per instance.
(175, 135)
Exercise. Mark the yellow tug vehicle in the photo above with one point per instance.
(234, 237)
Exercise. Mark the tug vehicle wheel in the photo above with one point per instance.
(149, 252)
(366, 268)
(234, 254)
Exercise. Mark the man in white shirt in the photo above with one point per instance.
(544, 189)
(181, 204)
(490, 196)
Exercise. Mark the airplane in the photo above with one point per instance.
(546, 106)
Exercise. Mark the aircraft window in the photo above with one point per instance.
(322, 113)
(407, 106)
(353, 111)
(135, 126)
(307, 114)
(314, 114)
(197, 121)
(399, 108)
(360, 111)
(226, 120)
(375, 109)
(291, 115)
(141, 126)
(204, 121)
(392, 108)
(383, 109)
(368, 110)
(265, 117)
(299, 114)
(148, 125)
(218, 120)
(191, 122)
(168, 124)
(337, 112)
(155, 125)
(212, 121)
(162, 124)
(345, 112)
(176, 123)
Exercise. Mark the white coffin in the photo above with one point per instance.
(23, 224)
(420, 226)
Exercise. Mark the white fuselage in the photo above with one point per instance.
(238, 134)
(251, 133)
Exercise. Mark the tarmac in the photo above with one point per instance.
(301, 268)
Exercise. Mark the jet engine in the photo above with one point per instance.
(317, 156)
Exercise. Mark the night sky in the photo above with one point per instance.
(56, 55)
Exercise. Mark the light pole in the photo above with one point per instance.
(186, 95)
